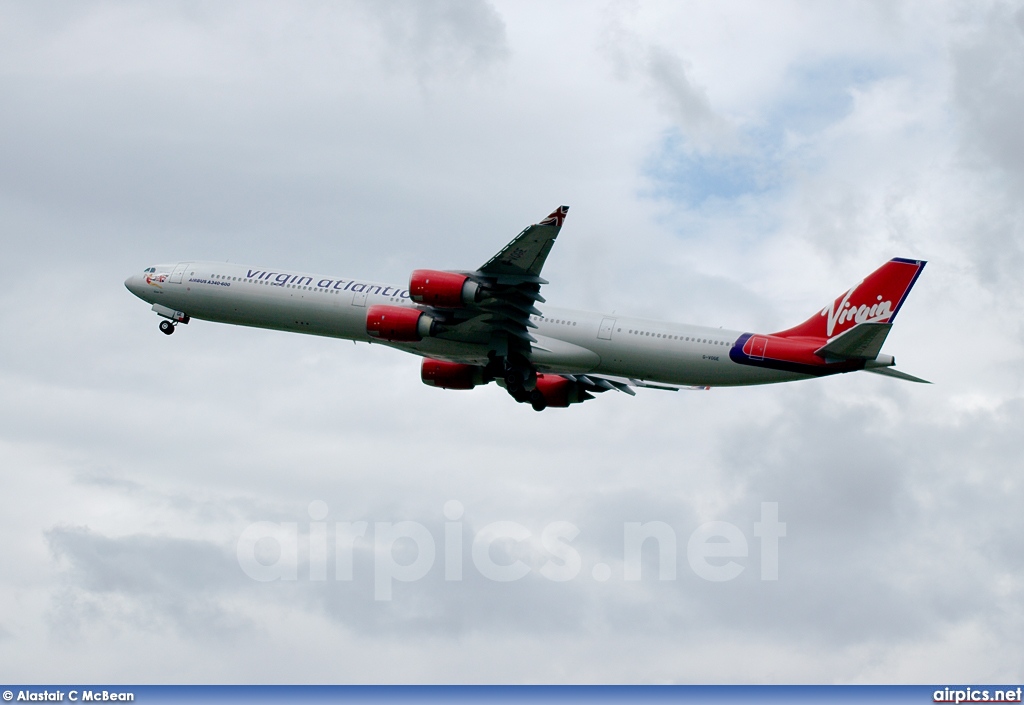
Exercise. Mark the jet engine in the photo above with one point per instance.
(451, 375)
(443, 289)
(556, 391)
(399, 324)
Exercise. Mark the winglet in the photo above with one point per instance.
(557, 217)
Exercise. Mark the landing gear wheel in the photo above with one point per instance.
(519, 394)
(537, 400)
(166, 327)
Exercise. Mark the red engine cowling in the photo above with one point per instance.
(442, 289)
(399, 324)
(557, 391)
(450, 375)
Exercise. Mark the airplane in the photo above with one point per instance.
(492, 324)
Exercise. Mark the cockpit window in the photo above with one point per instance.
(148, 270)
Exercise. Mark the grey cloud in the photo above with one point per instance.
(107, 480)
(666, 76)
(687, 103)
(144, 579)
(250, 135)
(440, 37)
(433, 606)
(989, 101)
(987, 65)
(870, 550)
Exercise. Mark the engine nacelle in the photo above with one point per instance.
(451, 375)
(399, 324)
(442, 289)
(559, 391)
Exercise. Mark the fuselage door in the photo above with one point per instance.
(605, 332)
(359, 298)
(178, 272)
(757, 346)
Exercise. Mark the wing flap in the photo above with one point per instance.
(623, 384)
(600, 384)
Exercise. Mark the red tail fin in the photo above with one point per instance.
(878, 298)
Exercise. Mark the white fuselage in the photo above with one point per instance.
(567, 341)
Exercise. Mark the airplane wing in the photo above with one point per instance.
(511, 283)
(509, 289)
(523, 258)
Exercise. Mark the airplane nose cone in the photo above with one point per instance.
(132, 284)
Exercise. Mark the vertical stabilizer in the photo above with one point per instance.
(877, 299)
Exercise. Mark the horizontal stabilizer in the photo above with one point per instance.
(890, 372)
(862, 342)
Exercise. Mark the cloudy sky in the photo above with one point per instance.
(730, 164)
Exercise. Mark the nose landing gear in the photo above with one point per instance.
(171, 318)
